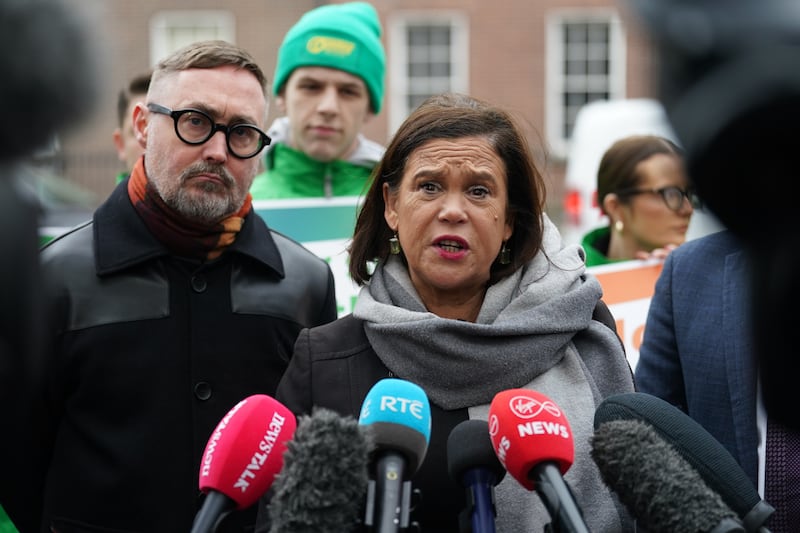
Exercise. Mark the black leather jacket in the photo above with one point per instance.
(150, 352)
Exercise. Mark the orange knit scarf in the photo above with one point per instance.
(181, 236)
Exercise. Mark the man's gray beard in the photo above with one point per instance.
(203, 208)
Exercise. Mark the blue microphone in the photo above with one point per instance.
(473, 463)
(398, 416)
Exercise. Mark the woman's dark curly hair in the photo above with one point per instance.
(454, 116)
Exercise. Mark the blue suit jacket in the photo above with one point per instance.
(697, 350)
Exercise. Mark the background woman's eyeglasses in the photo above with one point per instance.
(672, 196)
(195, 127)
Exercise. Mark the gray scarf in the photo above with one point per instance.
(524, 326)
(534, 330)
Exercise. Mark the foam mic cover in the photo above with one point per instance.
(715, 465)
(527, 428)
(472, 463)
(659, 488)
(242, 457)
(398, 415)
(50, 73)
(324, 476)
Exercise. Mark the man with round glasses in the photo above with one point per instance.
(193, 126)
(173, 304)
(643, 189)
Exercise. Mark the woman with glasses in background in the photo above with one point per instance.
(643, 189)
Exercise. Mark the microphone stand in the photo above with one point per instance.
(558, 499)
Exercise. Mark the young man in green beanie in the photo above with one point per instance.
(328, 83)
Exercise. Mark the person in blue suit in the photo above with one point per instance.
(697, 351)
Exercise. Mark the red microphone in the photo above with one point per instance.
(532, 439)
(242, 458)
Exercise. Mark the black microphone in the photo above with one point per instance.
(324, 479)
(49, 80)
(397, 415)
(50, 70)
(472, 463)
(715, 465)
(729, 136)
(659, 488)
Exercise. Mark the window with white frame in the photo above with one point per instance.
(171, 30)
(429, 56)
(585, 62)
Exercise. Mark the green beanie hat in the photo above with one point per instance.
(342, 36)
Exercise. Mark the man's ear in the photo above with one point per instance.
(140, 122)
(119, 144)
(280, 103)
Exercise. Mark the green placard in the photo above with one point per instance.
(311, 219)
(324, 226)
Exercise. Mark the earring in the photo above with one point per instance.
(619, 226)
(394, 245)
(505, 255)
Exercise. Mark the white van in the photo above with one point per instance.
(597, 126)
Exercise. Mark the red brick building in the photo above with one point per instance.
(542, 59)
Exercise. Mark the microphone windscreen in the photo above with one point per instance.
(659, 488)
(699, 448)
(50, 72)
(245, 451)
(324, 478)
(469, 447)
(398, 415)
(528, 428)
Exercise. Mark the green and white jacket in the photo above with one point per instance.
(292, 174)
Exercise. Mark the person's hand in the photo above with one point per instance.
(658, 253)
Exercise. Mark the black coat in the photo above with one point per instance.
(334, 366)
(340, 353)
(151, 351)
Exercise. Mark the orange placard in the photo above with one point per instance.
(635, 282)
(628, 287)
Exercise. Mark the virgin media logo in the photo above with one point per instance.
(527, 407)
(494, 425)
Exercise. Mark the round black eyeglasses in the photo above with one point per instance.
(673, 196)
(195, 127)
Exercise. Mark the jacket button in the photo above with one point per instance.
(202, 390)
(199, 283)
